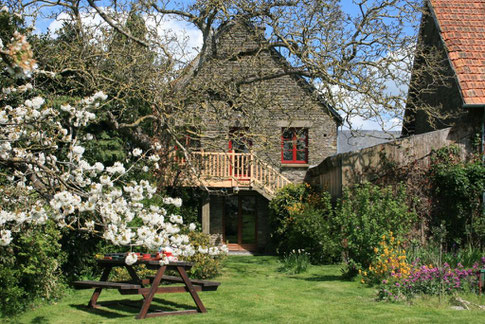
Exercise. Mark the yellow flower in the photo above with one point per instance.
(362, 281)
(376, 250)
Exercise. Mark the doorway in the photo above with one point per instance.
(240, 222)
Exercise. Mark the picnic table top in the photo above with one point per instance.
(121, 261)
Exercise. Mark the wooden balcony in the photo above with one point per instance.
(232, 170)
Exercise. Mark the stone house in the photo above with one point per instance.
(452, 37)
(263, 126)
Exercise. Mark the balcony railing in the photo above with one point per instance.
(224, 170)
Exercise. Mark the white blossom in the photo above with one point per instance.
(79, 150)
(137, 152)
(131, 258)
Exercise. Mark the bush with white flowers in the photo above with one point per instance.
(44, 175)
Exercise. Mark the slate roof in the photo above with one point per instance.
(462, 28)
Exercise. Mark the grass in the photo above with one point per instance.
(253, 291)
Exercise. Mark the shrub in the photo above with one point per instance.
(81, 249)
(301, 218)
(365, 212)
(30, 269)
(389, 261)
(206, 265)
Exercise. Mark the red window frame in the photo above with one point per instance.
(297, 135)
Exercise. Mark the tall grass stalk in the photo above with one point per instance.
(295, 262)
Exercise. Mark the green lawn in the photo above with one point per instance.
(253, 291)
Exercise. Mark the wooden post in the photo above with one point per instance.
(206, 215)
(251, 169)
(151, 294)
(233, 156)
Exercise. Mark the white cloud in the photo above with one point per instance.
(387, 124)
(90, 19)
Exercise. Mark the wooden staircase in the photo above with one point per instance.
(233, 170)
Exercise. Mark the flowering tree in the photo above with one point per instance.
(44, 174)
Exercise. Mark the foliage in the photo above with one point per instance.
(458, 189)
(402, 277)
(295, 262)
(365, 212)
(430, 280)
(301, 218)
(81, 249)
(207, 264)
(389, 261)
(430, 253)
(30, 269)
(191, 197)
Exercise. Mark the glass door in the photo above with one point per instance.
(231, 221)
(248, 220)
(240, 222)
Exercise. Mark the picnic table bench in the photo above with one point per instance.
(150, 286)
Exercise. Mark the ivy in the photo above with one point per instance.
(458, 189)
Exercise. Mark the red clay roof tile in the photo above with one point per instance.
(462, 27)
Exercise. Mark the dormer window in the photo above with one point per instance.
(294, 145)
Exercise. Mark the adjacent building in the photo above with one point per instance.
(448, 78)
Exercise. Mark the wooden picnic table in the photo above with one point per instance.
(150, 286)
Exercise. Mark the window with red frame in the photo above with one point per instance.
(294, 145)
